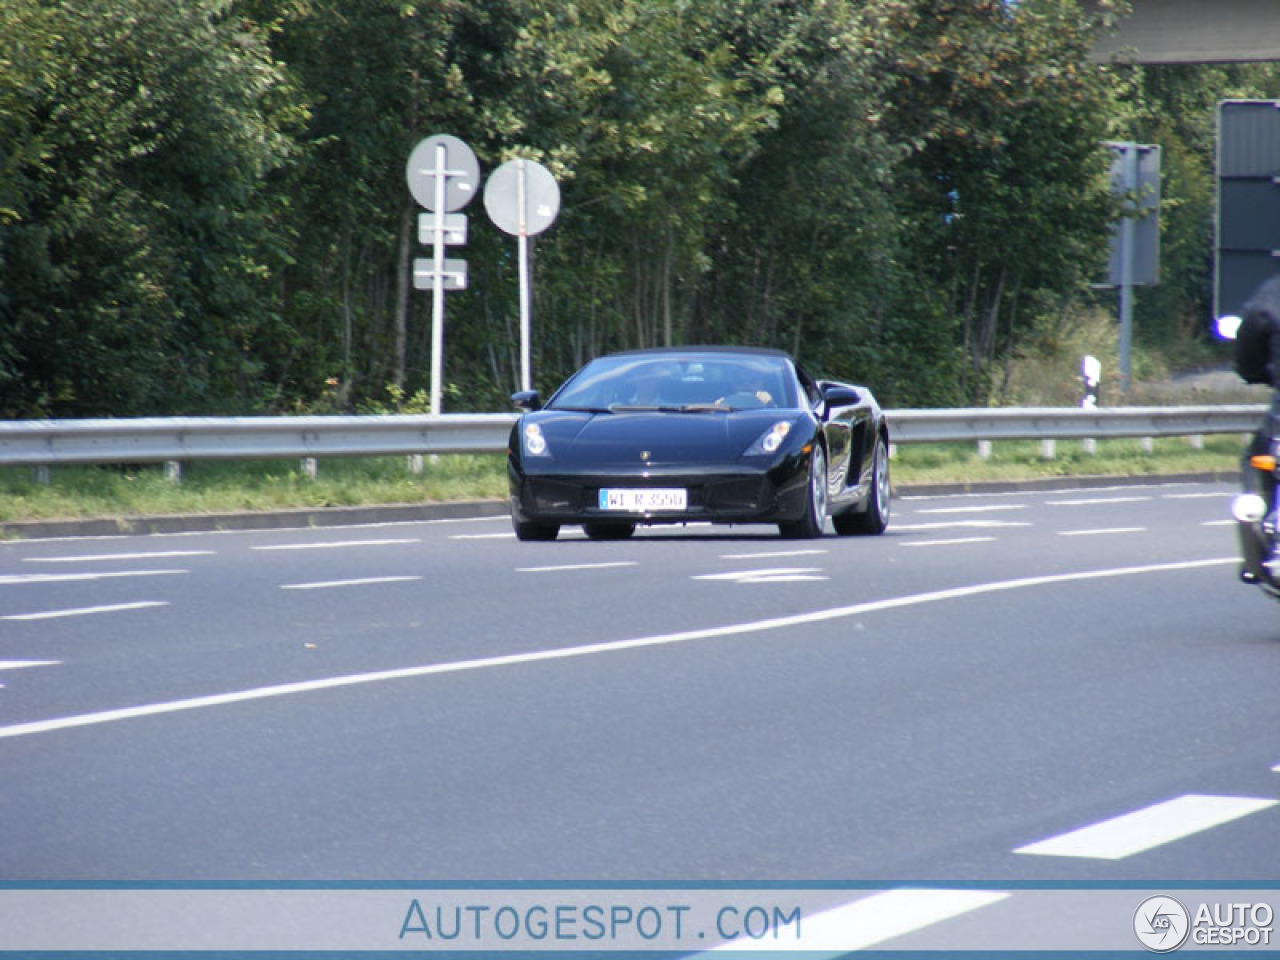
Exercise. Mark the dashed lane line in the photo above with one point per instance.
(561, 567)
(86, 611)
(359, 582)
(95, 557)
(336, 544)
(1153, 826)
(1100, 531)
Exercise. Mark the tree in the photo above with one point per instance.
(136, 236)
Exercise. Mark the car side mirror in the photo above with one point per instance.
(526, 400)
(838, 395)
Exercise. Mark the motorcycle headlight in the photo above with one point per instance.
(535, 444)
(771, 440)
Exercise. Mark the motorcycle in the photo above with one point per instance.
(1256, 508)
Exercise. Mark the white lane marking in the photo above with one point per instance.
(1149, 827)
(23, 664)
(506, 535)
(1100, 531)
(947, 543)
(768, 575)
(874, 919)
(961, 525)
(578, 566)
(992, 508)
(1215, 495)
(1091, 501)
(591, 649)
(86, 611)
(22, 578)
(771, 554)
(363, 581)
(336, 544)
(94, 557)
(1219, 523)
(1276, 768)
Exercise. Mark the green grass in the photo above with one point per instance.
(216, 487)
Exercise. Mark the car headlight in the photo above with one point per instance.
(535, 444)
(771, 440)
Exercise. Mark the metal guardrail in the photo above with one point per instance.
(45, 443)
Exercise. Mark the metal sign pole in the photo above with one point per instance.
(437, 290)
(522, 199)
(1127, 228)
(526, 375)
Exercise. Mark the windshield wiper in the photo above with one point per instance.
(582, 409)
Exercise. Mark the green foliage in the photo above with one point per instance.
(203, 203)
(138, 240)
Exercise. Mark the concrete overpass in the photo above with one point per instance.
(1196, 31)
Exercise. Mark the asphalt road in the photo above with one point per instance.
(953, 702)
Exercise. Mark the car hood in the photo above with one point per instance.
(657, 439)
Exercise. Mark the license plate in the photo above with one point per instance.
(643, 501)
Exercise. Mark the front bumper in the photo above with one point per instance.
(741, 496)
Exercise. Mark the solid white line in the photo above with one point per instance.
(1219, 523)
(1152, 826)
(23, 664)
(771, 554)
(1215, 495)
(84, 611)
(335, 544)
(591, 649)
(874, 919)
(1100, 531)
(947, 543)
(19, 578)
(91, 558)
(508, 535)
(322, 584)
(577, 566)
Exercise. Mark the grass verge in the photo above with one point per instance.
(216, 487)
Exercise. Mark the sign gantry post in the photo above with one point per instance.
(443, 176)
(522, 198)
(1135, 244)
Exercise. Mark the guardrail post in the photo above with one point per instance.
(1090, 446)
(1197, 441)
(1148, 445)
(40, 474)
(984, 449)
(309, 467)
(1048, 448)
(415, 464)
(173, 471)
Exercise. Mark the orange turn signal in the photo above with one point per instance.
(1263, 462)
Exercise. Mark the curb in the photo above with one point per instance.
(467, 509)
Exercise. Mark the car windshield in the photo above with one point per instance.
(677, 382)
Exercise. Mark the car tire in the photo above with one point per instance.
(529, 530)
(811, 524)
(609, 530)
(875, 518)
